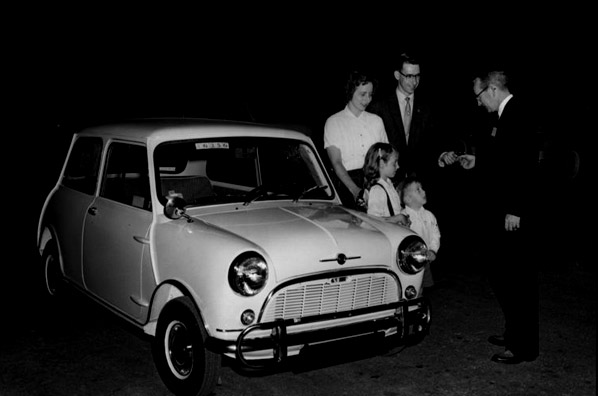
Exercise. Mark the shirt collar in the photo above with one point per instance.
(350, 113)
(502, 105)
(401, 96)
(415, 211)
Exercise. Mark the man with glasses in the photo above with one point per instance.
(504, 163)
(408, 120)
(409, 124)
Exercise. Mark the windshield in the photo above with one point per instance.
(225, 170)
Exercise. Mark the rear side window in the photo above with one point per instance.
(82, 169)
(126, 177)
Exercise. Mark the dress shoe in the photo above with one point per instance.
(507, 357)
(496, 340)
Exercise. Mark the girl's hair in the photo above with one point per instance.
(356, 79)
(371, 166)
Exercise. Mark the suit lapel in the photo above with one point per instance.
(415, 121)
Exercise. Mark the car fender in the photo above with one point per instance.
(162, 295)
(200, 269)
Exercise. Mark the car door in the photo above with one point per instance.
(116, 230)
(74, 195)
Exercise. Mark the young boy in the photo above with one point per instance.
(423, 222)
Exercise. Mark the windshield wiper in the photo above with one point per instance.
(270, 190)
(309, 190)
(254, 194)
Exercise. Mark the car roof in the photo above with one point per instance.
(157, 130)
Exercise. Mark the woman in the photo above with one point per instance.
(348, 135)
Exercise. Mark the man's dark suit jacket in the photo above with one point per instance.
(420, 155)
(505, 163)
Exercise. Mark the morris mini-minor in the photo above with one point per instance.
(224, 239)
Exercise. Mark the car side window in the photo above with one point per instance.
(83, 165)
(126, 177)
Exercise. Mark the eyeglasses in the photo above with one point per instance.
(410, 76)
(477, 97)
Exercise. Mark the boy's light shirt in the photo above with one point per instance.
(424, 223)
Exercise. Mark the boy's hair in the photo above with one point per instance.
(371, 165)
(404, 184)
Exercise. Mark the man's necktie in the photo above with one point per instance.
(407, 117)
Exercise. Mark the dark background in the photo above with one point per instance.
(71, 67)
(281, 66)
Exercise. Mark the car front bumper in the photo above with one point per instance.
(406, 319)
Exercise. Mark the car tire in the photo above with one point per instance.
(184, 364)
(53, 277)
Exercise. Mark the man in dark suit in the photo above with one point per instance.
(408, 121)
(504, 161)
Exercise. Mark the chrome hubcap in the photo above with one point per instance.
(179, 349)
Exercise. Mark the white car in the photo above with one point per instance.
(224, 239)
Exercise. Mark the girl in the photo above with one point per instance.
(381, 164)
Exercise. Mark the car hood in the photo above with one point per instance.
(309, 238)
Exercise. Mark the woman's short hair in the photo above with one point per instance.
(356, 79)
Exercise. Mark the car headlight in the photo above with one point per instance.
(412, 254)
(248, 274)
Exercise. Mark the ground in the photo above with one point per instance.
(73, 348)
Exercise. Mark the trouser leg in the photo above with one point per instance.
(518, 297)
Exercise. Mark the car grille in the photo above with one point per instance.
(331, 295)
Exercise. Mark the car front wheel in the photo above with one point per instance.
(180, 356)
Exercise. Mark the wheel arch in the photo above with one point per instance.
(164, 293)
(46, 236)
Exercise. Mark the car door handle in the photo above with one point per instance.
(92, 211)
(139, 301)
(140, 239)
